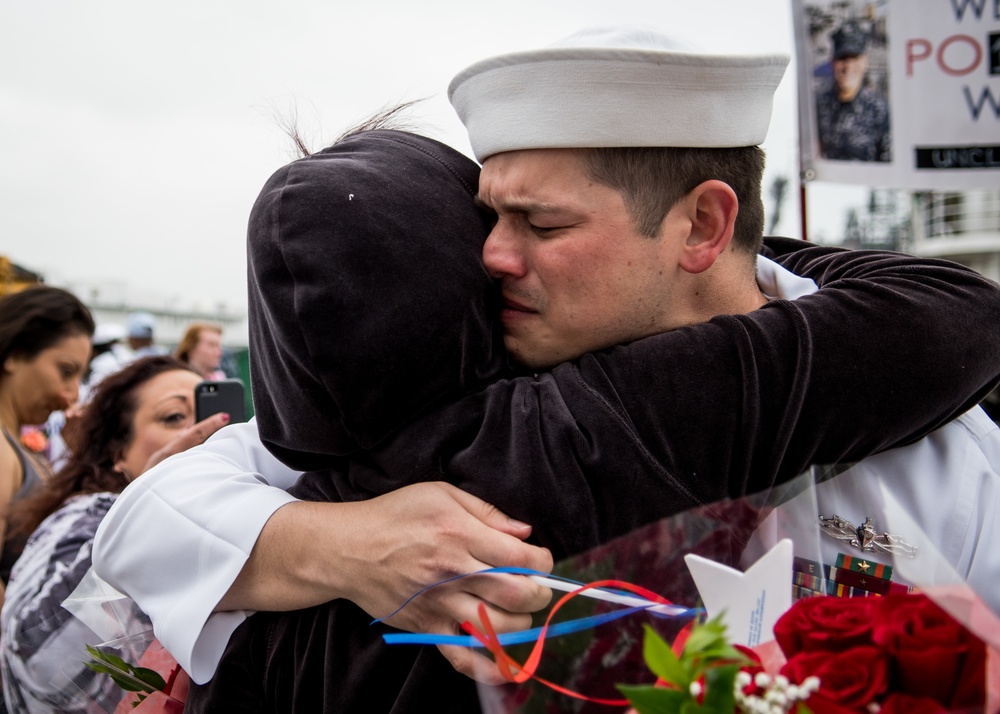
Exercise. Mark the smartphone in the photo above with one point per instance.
(224, 395)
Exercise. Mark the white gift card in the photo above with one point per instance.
(750, 602)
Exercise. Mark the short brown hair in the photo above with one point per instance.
(652, 180)
(191, 336)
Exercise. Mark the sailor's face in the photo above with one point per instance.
(849, 73)
(575, 274)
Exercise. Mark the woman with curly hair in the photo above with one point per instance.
(135, 419)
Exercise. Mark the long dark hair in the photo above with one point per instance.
(95, 443)
(36, 318)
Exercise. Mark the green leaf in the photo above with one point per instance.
(128, 683)
(693, 707)
(123, 674)
(647, 699)
(109, 659)
(150, 677)
(662, 661)
(720, 688)
(706, 637)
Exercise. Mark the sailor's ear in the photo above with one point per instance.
(712, 207)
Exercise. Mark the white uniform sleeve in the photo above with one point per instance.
(178, 537)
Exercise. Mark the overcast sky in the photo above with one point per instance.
(135, 136)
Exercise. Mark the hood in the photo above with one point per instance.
(368, 301)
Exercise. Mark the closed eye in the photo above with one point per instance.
(544, 230)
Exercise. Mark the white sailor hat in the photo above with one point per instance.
(607, 87)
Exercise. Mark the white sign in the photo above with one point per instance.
(899, 93)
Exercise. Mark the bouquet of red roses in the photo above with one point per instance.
(903, 653)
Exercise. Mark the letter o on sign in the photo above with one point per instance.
(959, 54)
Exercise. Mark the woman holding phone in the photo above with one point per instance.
(136, 418)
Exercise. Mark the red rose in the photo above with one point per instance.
(852, 678)
(907, 704)
(933, 655)
(818, 704)
(830, 624)
(751, 655)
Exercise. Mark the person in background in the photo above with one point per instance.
(137, 417)
(201, 348)
(44, 350)
(852, 118)
(140, 327)
(109, 355)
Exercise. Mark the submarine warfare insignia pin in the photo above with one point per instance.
(865, 538)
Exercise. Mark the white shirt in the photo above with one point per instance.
(201, 511)
(954, 516)
(210, 503)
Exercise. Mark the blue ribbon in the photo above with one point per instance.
(522, 636)
(511, 638)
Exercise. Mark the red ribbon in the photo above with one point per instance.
(514, 671)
